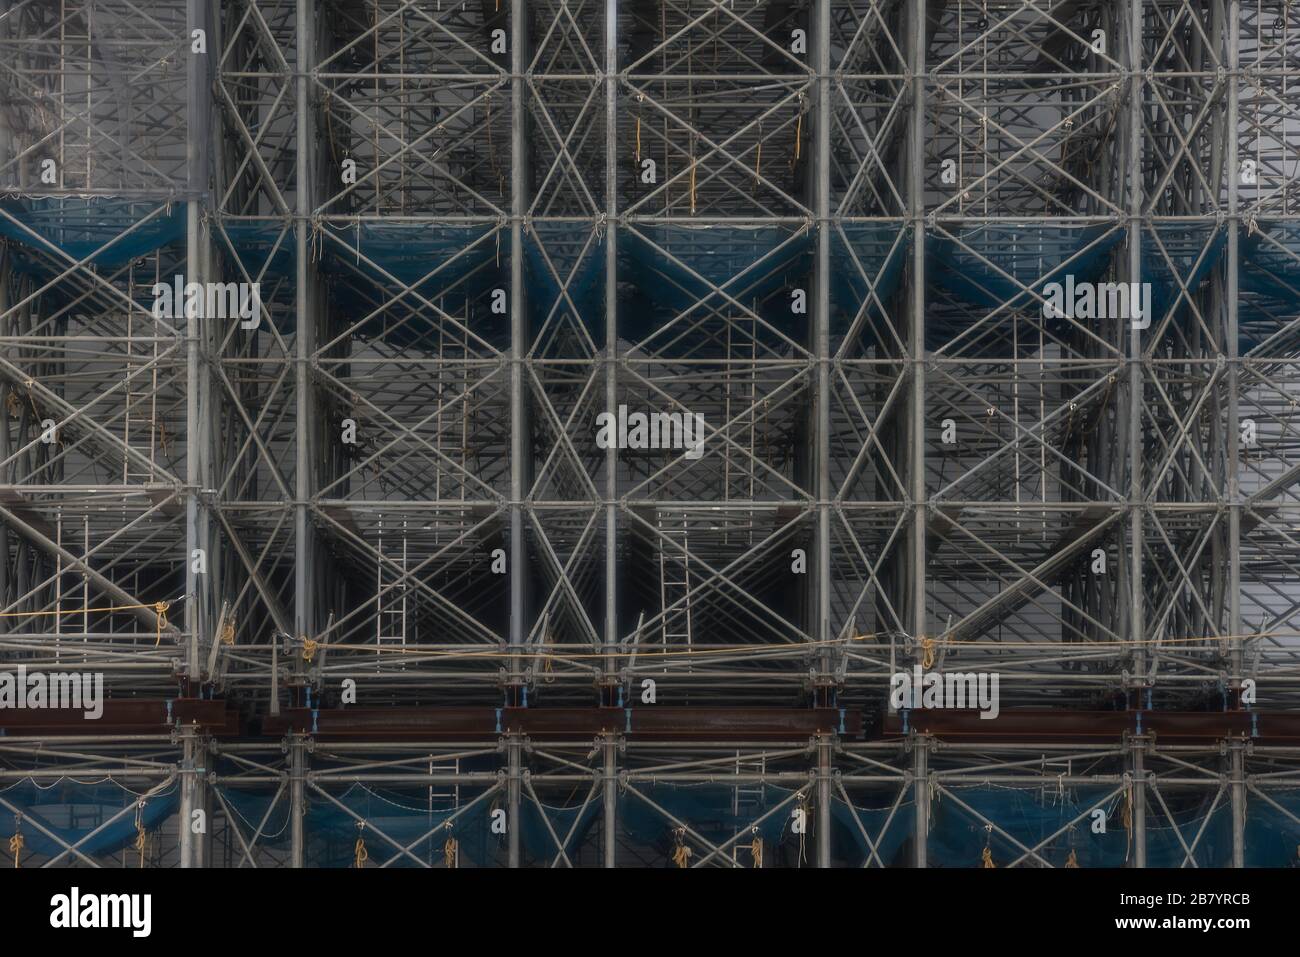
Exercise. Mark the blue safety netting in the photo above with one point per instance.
(867, 262)
(716, 812)
(1007, 264)
(1032, 815)
(93, 229)
(1273, 834)
(1175, 255)
(72, 811)
(406, 815)
(1269, 285)
(889, 828)
(670, 269)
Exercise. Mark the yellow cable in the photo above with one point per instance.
(449, 852)
(16, 847)
(309, 646)
(927, 648)
(756, 849)
(360, 854)
(141, 841)
(160, 609)
(987, 856)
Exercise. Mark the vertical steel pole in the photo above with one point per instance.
(822, 332)
(825, 744)
(514, 777)
(519, 445)
(199, 448)
(304, 554)
(921, 799)
(914, 158)
(1133, 66)
(297, 799)
(611, 371)
(186, 823)
(1139, 809)
(1235, 624)
(611, 798)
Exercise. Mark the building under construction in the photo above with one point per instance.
(990, 313)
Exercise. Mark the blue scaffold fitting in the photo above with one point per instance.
(627, 720)
(314, 715)
(1139, 724)
(906, 728)
(525, 699)
(169, 710)
(498, 731)
(1254, 724)
(841, 721)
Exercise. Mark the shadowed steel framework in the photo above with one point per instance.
(363, 586)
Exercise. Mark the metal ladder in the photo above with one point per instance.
(390, 618)
(437, 798)
(747, 799)
(675, 581)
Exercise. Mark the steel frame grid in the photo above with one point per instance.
(828, 439)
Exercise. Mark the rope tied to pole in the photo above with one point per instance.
(160, 609)
(756, 848)
(309, 647)
(141, 843)
(986, 855)
(1073, 860)
(927, 653)
(16, 847)
(681, 853)
(450, 847)
(359, 853)
(228, 633)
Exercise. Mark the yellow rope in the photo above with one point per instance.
(141, 841)
(309, 646)
(927, 649)
(1072, 860)
(81, 611)
(228, 633)
(682, 853)
(638, 140)
(16, 847)
(160, 609)
(449, 852)
(360, 853)
(757, 850)
(987, 856)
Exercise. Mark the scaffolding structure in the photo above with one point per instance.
(355, 568)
